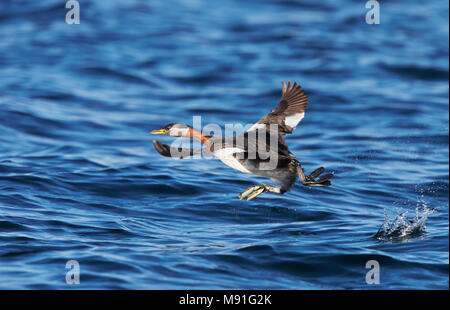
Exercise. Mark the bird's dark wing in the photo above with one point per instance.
(288, 113)
(175, 152)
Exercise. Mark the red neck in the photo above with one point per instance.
(197, 135)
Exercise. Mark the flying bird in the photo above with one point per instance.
(261, 150)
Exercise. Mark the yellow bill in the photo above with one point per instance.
(158, 131)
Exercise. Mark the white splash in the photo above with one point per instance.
(401, 228)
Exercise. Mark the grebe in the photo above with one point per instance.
(256, 151)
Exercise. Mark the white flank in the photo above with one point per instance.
(293, 120)
(226, 156)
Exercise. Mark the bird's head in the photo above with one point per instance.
(174, 130)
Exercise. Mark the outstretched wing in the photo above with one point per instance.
(174, 152)
(289, 112)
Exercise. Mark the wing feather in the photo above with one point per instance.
(289, 112)
(174, 152)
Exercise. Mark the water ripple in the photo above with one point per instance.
(80, 179)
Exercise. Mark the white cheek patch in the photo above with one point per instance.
(180, 132)
(293, 120)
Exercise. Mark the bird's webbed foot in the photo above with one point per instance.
(256, 190)
(310, 180)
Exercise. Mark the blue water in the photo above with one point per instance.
(80, 179)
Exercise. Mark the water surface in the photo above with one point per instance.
(80, 179)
